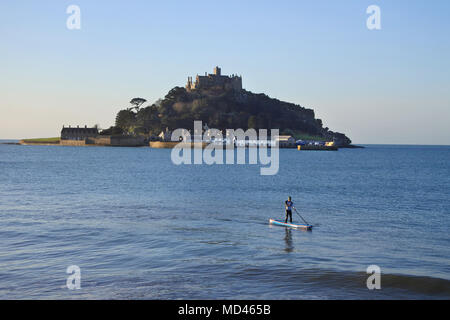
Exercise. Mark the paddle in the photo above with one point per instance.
(300, 216)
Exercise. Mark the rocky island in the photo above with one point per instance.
(217, 100)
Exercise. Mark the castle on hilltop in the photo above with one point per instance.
(215, 80)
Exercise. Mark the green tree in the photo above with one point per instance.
(125, 120)
(177, 94)
(148, 119)
(111, 131)
(137, 103)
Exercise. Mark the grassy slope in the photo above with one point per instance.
(42, 140)
(302, 136)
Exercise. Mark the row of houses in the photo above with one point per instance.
(77, 133)
(76, 136)
(79, 136)
(315, 143)
(207, 136)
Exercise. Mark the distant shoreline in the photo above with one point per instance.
(156, 144)
(352, 146)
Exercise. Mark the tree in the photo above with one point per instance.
(137, 103)
(177, 94)
(125, 120)
(148, 119)
(110, 131)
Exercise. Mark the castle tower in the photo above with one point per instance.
(190, 84)
(215, 80)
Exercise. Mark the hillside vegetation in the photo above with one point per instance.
(221, 110)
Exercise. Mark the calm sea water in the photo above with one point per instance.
(140, 227)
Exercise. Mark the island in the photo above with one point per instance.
(220, 102)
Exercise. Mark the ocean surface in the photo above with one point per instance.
(140, 227)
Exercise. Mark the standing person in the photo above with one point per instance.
(288, 204)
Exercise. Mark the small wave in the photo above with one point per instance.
(426, 285)
(353, 280)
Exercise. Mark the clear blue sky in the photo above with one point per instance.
(385, 86)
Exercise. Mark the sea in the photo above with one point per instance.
(134, 225)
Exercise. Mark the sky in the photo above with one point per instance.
(386, 86)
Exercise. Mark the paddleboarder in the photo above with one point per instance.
(288, 204)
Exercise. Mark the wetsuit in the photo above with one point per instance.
(289, 205)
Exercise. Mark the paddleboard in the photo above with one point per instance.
(290, 225)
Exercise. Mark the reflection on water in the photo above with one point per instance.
(288, 240)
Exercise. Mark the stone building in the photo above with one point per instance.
(76, 136)
(215, 80)
(285, 141)
(69, 133)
